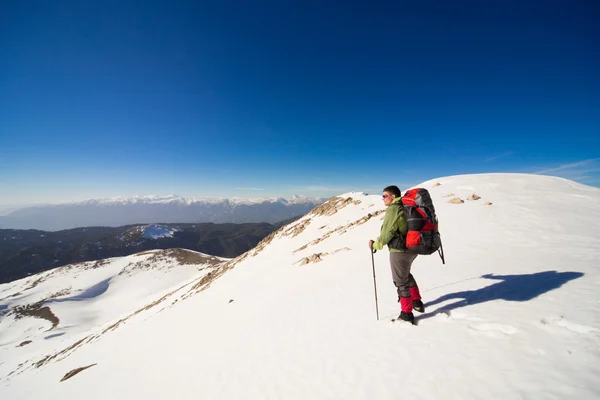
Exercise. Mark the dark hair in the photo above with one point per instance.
(393, 190)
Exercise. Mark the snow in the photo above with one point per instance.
(152, 231)
(187, 200)
(85, 297)
(512, 314)
(158, 231)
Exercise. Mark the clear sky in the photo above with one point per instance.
(253, 98)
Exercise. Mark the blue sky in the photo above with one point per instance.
(258, 98)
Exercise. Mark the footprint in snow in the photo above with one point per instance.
(479, 325)
(564, 324)
(497, 331)
(456, 315)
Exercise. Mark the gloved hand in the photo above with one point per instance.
(371, 246)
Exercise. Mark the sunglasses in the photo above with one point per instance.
(385, 196)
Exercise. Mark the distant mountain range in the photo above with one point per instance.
(121, 211)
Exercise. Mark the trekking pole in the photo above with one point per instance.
(441, 252)
(374, 282)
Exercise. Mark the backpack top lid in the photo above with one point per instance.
(420, 198)
(417, 197)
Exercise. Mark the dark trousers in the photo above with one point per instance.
(403, 279)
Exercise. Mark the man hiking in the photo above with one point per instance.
(393, 234)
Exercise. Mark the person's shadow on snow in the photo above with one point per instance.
(510, 288)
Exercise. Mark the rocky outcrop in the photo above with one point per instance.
(315, 258)
(456, 200)
(332, 206)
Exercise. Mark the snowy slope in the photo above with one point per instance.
(513, 314)
(60, 306)
(158, 231)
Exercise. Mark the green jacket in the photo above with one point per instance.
(394, 224)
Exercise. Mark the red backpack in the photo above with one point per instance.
(423, 236)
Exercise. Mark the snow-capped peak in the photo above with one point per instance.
(173, 198)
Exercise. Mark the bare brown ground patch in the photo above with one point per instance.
(36, 310)
(317, 257)
(101, 263)
(297, 228)
(186, 257)
(342, 249)
(63, 292)
(75, 371)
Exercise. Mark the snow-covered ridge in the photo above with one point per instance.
(188, 200)
(152, 231)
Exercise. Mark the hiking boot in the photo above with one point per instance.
(418, 306)
(408, 317)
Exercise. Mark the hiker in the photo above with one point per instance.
(393, 234)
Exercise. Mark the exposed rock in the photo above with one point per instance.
(315, 258)
(332, 206)
(24, 343)
(437, 184)
(292, 230)
(230, 300)
(487, 203)
(342, 249)
(473, 197)
(456, 200)
(449, 195)
(74, 372)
